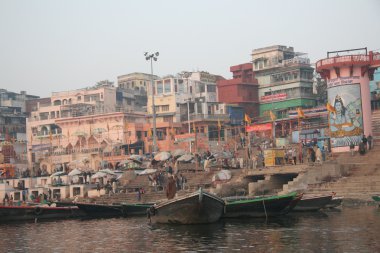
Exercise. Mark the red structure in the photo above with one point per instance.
(242, 89)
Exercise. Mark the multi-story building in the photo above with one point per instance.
(13, 115)
(184, 103)
(84, 124)
(285, 81)
(241, 90)
(133, 88)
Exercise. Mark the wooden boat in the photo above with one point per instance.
(376, 198)
(194, 208)
(335, 202)
(114, 210)
(259, 206)
(24, 213)
(312, 203)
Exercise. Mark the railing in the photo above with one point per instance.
(208, 117)
(346, 59)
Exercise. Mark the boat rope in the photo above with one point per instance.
(265, 210)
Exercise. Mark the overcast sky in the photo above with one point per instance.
(49, 46)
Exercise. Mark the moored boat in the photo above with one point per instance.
(100, 210)
(194, 208)
(376, 198)
(114, 210)
(24, 213)
(312, 203)
(259, 206)
(335, 202)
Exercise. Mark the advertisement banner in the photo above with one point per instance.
(259, 127)
(185, 137)
(274, 97)
(346, 120)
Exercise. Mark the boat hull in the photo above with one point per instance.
(101, 211)
(314, 203)
(24, 213)
(196, 208)
(259, 207)
(335, 202)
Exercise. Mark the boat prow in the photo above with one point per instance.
(194, 208)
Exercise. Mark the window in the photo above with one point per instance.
(79, 98)
(211, 88)
(167, 86)
(168, 119)
(159, 88)
(157, 108)
(165, 108)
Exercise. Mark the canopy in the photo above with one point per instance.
(57, 174)
(186, 158)
(223, 155)
(75, 172)
(222, 175)
(178, 152)
(108, 171)
(162, 156)
(147, 171)
(99, 175)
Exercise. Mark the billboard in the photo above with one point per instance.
(346, 118)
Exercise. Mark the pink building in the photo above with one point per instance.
(349, 98)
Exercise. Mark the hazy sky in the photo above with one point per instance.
(49, 46)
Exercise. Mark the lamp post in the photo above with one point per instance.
(152, 57)
(188, 120)
(273, 121)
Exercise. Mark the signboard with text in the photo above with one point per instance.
(259, 127)
(273, 97)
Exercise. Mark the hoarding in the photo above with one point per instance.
(346, 121)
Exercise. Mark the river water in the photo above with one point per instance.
(349, 229)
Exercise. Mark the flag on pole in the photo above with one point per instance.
(330, 108)
(247, 119)
(219, 125)
(50, 136)
(272, 116)
(194, 127)
(300, 113)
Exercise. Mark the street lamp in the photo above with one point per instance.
(273, 120)
(152, 57)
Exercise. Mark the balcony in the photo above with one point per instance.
(209, 117)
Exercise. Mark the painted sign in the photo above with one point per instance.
(273, 97)
(259, 127)
(346, 120)
(184, 137)
(342, 81)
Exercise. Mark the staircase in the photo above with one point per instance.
(376, 127)
(360, 182)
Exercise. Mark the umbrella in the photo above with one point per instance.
(162, 156)
(178, 152)
(147, 171)
(107, 171)
(75, 172)
(185, 158)
(99, 174)
(223, 155)
(57, 174)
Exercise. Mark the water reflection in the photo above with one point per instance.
(349, 230)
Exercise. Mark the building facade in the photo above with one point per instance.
(285, 80)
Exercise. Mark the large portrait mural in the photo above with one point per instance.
(346, 118)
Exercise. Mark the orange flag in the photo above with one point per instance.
(300, 113)
(330, 108)
(247, 119)
(272, 116)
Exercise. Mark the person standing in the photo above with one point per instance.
(294, 155)
(369, 139)
(365, 140)
(352, 148)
